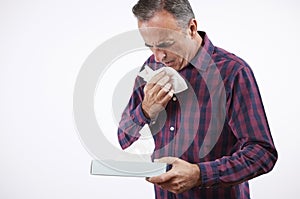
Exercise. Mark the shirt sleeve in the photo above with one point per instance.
(247, 120)
(133, 118)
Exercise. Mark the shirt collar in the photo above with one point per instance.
(204, 55)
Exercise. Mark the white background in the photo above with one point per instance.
(42, 47)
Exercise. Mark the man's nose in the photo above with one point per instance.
(159, 54)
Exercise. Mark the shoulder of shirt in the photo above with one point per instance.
(228, 61)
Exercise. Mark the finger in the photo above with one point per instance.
(169, 185)
(163, 91)
(167, 97)
(168, 160)
(173, 186)
(161, 83)
(148, 87)
(152, 82)
(163, 98)
(157, 77)
(167, 87)
(163, 178)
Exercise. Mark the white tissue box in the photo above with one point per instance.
(127, 168)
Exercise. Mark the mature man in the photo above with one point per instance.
(214, 135)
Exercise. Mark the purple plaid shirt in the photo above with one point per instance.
(219, 123)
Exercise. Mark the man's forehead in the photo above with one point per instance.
(158, 35)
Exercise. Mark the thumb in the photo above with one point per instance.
(168, 160)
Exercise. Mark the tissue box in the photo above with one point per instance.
(127, 168)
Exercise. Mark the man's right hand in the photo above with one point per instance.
(158, 92)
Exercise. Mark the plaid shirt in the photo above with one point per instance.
(219, 123)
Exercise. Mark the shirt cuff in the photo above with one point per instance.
(139, 117)
(209, 174)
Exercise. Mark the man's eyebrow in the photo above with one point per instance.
(148, 45)
(165, 44)
(161, 45)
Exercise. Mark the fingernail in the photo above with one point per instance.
(171, 93)
(167, 87)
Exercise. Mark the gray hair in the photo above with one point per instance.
(180, 9)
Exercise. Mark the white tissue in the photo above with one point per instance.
(178, 83)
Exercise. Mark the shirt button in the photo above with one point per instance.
(174, 99)
(172, 128)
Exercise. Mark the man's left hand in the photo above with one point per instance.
(182, 177)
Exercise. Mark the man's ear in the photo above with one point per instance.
(193, 27)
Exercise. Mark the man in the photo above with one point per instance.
(215, 135)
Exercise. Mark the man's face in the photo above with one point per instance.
(170, 44)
